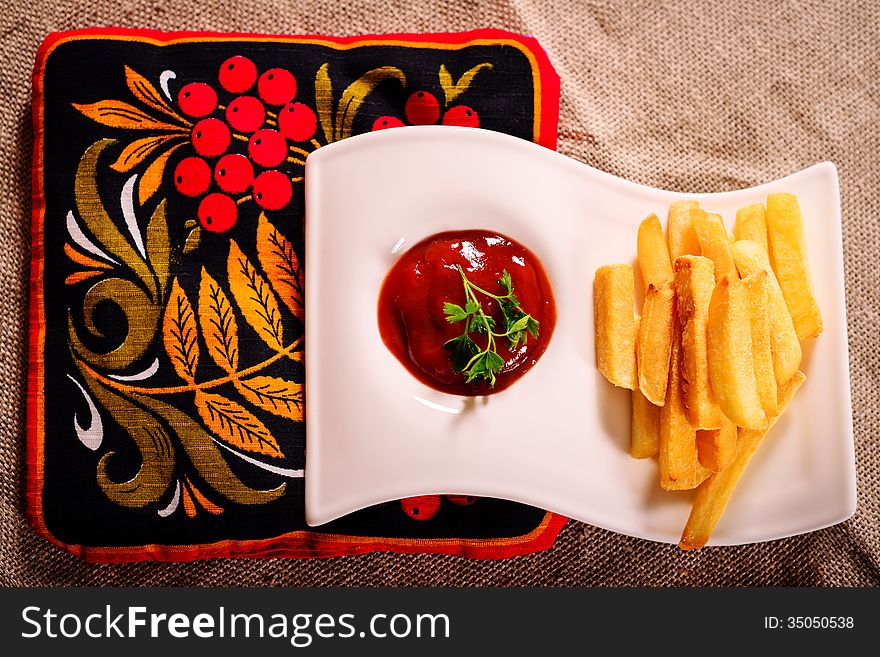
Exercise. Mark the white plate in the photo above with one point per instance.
(557, 439)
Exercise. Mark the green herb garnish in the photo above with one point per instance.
(465, 354)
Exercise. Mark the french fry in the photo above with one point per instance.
(714, 242)
(645, 427)
(731, 364)
(784, 345)
(751, 224)
(653, 257)
(716, 448)
(682, 236)
(655, 342)
(757, 290)
(615, 330)
(788, 253)
(713, 495)
(694, 282)
(679, 467)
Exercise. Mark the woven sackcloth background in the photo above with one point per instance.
(681, 95)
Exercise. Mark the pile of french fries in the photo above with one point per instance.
(713, 359)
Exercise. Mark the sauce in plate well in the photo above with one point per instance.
(414, 327)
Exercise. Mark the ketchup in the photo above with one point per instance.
(412, 322)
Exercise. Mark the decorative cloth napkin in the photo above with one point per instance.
(166, 383)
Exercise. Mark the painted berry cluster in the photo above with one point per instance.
(263, 117)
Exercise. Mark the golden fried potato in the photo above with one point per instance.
(613, 290)
(655, 342)
(717, 447)
(788, 253)
(757, 290)
(679, 467)
(784, 345)
(714, 242)
(645, 427)
(653, 257)
(751, 224)
(731, 364)
(682, 236)
(694, 282)
(712, 496)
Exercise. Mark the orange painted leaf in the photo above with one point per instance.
(255, 298)
(79, 276)
(84, 260)
(219, 327)
(180, 334)
(138, 151)
(145, 92)
(282, 266)
(152, 177)
(188, 505)
(235, 425)
(117, 114)
(278, 396)
(207, 504)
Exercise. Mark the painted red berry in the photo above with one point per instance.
(211, 137)
(297, 122)
(237, 74)
(461, 500)
(268, 148)
(384, 122)
(272, 190)
(197, 99)
(277, 86)
(245, 114)
(217, 212)
(423, 507)
(422, 108)
(192, 176)
(461, 115)
(234, 173)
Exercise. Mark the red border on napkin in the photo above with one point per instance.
(301, 543)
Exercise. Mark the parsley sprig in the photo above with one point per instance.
(465, 354)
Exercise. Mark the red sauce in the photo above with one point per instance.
(411, 318)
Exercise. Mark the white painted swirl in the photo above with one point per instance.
(164, 78)
(80, 238)
(126, 199)
(91, 435)
(140, 376)
(172, 505)
(284, 472)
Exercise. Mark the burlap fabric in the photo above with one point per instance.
(689, 96)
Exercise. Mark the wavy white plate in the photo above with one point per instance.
(557, 439)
